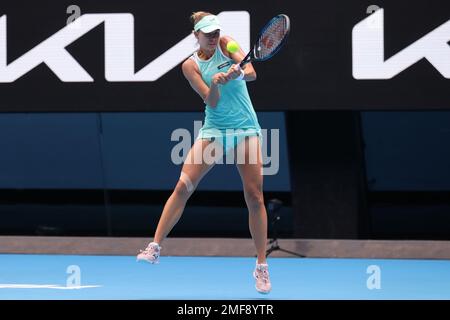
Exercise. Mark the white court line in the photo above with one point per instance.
(43, 286)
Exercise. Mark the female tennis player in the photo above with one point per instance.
(228, 106)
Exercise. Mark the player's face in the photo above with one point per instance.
(209, 40)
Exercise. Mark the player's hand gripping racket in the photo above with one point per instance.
(270, 40)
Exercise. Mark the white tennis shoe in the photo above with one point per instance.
(150, 254)
(261, 275)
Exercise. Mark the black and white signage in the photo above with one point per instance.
(126, 55)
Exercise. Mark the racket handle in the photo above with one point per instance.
(246, 59)
(243, 63)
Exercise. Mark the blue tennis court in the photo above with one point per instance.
(209, 278)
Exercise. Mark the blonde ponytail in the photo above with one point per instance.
(197, 16)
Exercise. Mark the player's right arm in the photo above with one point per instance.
(210, 95)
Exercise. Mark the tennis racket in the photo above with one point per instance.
(270, 40)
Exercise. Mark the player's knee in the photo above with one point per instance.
(254, 198)
(185, 186)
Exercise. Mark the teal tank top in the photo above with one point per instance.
(234, 109)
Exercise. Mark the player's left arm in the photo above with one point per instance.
(238, 56)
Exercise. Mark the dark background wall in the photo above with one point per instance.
(351, 164)
(53, 179)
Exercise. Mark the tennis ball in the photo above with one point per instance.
(232, 46)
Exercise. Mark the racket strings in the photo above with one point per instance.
(271, 38)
